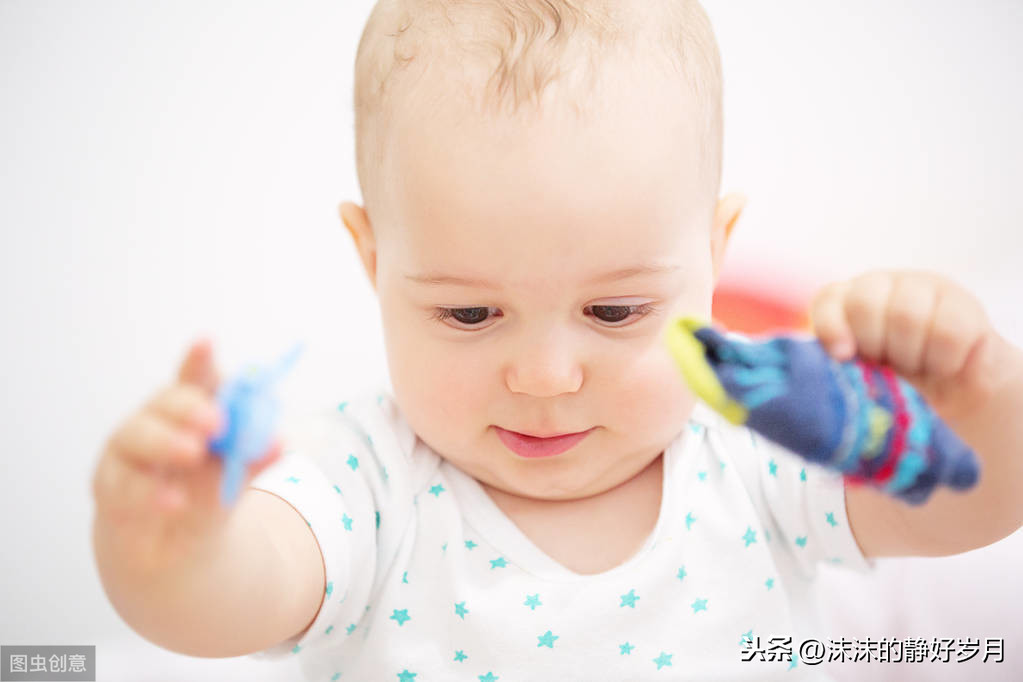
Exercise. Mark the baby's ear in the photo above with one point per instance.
(728, 210)
(356, 220)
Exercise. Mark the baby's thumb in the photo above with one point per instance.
(198, 369)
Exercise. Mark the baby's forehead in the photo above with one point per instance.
(633, 156)
(547, 211)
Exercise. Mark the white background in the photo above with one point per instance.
(171, 169)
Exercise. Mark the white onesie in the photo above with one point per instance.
(427, 579)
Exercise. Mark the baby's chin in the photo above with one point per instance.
(557, 479)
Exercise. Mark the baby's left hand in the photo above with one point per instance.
(928, 329)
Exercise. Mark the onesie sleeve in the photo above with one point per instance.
(803, 504)
(346, 471)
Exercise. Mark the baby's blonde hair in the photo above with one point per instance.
(524, 46)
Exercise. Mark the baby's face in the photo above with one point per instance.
(526, 279)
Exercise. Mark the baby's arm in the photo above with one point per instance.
(181, 569)
(258, 581)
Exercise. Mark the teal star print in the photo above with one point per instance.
(625, 649)
(663, 660)
(489, 677)
(498, 563)
(400, 616)
(699, 605)
(406, 676)
(444, 547)
(460, 610)
(436, 490)
(689, 520)
(342, 406)
(469, 544)
(629, 599)
(350, 629)
(291, 479)
(694, 427)
(773, 467)
(532, 601)
(802, 474)
(330, 587)
(702, 475)
(329, 630)
(460, 655)
(338, 491)
(377, 512)
(830, 517)
(347, 520)
(404, 577)
(801, 541)
(750, 537)
(546, 639)
(353, 462)
(769, 582)
(335, 676)
(682, 573)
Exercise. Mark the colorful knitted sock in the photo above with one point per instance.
(251, 409)
(856, 417)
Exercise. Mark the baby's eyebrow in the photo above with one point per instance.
(436, 278)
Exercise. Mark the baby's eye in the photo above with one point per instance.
(606, 313)
(470, 316)
(617, 313)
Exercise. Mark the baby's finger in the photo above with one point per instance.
(198, 368)
(125, 489)
(829, 322)
(865, 306)
(150, 440)
(189, 406)
(910, 311)
(956, 326)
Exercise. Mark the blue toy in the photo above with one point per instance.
(250, 409)
(856, 417)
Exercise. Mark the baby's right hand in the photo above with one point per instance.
(157, 483)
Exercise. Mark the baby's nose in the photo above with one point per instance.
(546, 370)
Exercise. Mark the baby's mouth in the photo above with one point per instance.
(533, 447)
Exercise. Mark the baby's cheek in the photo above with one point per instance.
(441, 393)
(651, 393)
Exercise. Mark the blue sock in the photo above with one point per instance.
(855, 417)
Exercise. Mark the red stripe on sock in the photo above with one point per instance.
(898, 444)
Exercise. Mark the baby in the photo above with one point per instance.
(541, 497)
